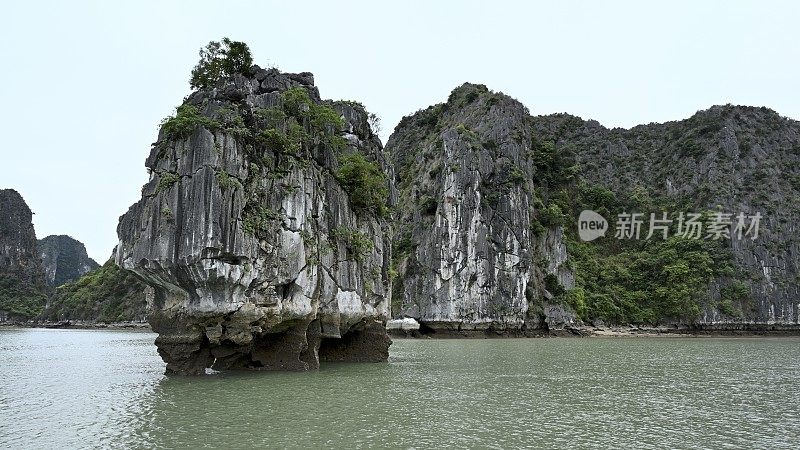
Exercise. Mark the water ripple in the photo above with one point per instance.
(105, 389)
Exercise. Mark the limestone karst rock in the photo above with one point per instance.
(53, 279)
(64, 259)
(466, 255)
(727, 160)
(486, 232)
(262, 230)
(22, 287)
(107, 294)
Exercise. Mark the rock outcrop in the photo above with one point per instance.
(262, 230)
(22, 288)
(465, 252)
(64, 259)
(108, 294)
(726, 159)
(488, 203)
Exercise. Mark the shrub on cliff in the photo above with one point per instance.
(299, 123)
(646, 281)
(552, 216)
(553, 165)
(323, 120)
(219, 60)
(364, 182)
(185, 120)
(357, 243)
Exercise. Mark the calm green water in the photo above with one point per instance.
(66, 388)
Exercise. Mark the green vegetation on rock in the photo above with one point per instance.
(357, 243)
(166, 180)
(365, 183)
(186, 119)
(637, 281)
(19, 298)
(227, 181)
(108, 294)
(287, 134)
(260, 220)
(220, 60)
(732, 297)
(647, 282)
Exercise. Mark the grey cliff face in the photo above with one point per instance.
(17, 236)
(264, 247)
(481, 243)
(256, 254)
(465, 253)
(22, 289)
(64, 259)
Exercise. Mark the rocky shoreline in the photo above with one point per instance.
(80, 325)
(740, 330)
(716, 330)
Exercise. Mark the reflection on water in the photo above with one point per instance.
(66, 388)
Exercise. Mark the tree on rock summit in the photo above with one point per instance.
(219, 60)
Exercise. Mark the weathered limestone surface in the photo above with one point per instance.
(246, 246)
(22, 288)
(471, 252)
(466, 255)
(257, 257)
(64, 259)
(17, 236)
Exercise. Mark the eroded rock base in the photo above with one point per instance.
(300, 347)
(369, 343)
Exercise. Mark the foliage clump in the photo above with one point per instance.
(285, 130)
(259, 220)
(664, 279)
(358, 244)
(552, 216)
(220, 60)
(553, 166)
(322, 118)
(108, 294)
(645, 281)
(186, 119)
(19, 298)
(228, 181)
(732, 297)
(365, 183)
(166, 180)
(289, 140)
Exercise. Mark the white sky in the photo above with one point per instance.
(84, 85)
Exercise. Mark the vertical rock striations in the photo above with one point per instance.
(465, 252)
(64, 259)
(489, 198)
(22, 288)
(262, 230)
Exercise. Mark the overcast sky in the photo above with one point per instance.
(84, 84)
